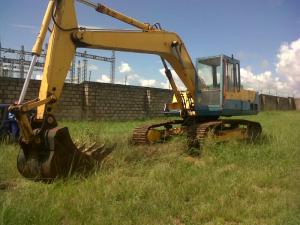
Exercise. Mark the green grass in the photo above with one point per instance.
(231, 183)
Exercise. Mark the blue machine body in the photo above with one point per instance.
(219, 91)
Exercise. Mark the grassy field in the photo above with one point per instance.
(231, 183)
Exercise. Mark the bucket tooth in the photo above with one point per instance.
(88, 149)
(102, 152)
(58, 156)
(81, 147)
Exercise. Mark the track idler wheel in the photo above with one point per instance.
(57, 156)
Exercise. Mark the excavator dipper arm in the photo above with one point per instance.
(59, 55)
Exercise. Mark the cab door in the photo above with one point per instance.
(236, 100)
(209, 86)
(231, 76)
(232, 100)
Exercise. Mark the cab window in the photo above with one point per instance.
(209, 73)
(232, 76)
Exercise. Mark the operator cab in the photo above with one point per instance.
(219, 91)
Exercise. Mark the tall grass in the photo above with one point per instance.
(231, 183)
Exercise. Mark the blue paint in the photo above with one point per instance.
(225, 107)
(216, 89)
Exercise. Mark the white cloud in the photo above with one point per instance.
(176, 78)
(133, 77)
(286, 81)
(92, 67)
(288, 64)
(264, 64)
(24, 26)
(104, 79)
(263, 82)
(124, 68)
(38, 76)
(136, 79)
(165, 85)
(148, 83)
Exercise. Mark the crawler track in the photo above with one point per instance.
(140, 133)
(221, 130)
(197, 133)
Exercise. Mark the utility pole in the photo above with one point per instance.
(84, 67)
(78, 72)
(12, 66)
(72, 75)
(113, 67)
(21, 62)
(16, 63)
(1, 64)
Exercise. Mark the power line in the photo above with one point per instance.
(19, 60)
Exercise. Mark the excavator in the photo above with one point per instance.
(213, 84)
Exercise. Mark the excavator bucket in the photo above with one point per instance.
(54, 154)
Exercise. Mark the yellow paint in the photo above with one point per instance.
(243, 95)
(154, 135)
(151, 42)
(60, 53)
(238, 133)
(186, 99)
(37, 48)
(226, 135)
(126, 19)
(145, 27)
(25, 128)
(61, 50)
(27, 106)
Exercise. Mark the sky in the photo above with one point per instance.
(263, 34)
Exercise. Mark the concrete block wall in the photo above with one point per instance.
(70, 104)
(270, 102)
(120, 102)
(101, 101)
(10, 89)
(95, 101)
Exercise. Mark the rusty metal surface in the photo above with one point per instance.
(221, 130)
(139, 135)
(58, 156)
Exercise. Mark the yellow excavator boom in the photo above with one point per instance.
(66, 36)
